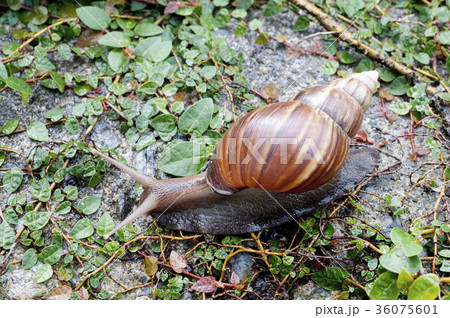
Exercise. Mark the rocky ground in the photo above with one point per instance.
(264, 65)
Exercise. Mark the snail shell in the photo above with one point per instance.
(293, 146)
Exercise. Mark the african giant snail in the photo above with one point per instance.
(273, 164)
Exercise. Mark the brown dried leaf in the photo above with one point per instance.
(171, 7)
(422, 151)
(292, 54)
(361, 136)
(62, 292)
(88, 37)
(386, 95)
(177, 261)
(83, 294)
(269, 91)
(129, 52)
(181, 97)
(318, 46)
(206, 284)
(151, 265)
(235, 280)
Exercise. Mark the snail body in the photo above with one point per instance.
(273, 164)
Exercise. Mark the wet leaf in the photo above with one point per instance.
(51, 254)
(396, 260)
(19, 85)
(301, 24)
(94, 17)
(37, 131)
(330, 278)
(385, 287)
(54, 114)
(29, 259)
(262, 39)
(62, 292)
(196, 117)
(183, 158)
(401, 108)
(205, 285)
(329, 68)
(115, 39)
(60, 84)
(426, 287)
(36, 220)
(9, 126)
(148, 29)
(404, 280)
(82, 229)
(105, 224)
(7, 238)
(177, 261)
(89, 205)
(164, 122)
(273, 8)
(151, 265)
(12, 179)
(44, 273)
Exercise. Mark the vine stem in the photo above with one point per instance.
(38, 34)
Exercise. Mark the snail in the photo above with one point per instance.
(272, 165)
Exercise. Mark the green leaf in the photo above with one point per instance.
(2, 157)
(385, 74)
(19, 85)
(196, 117)
(7, 238)
(89, 205)
(182, 158)
(255, 24)
(50, 254)
(262, 39)
(399, 86)
(444, 37)
(60, 84)
(71, 125)
(95, 180)
(40, 189)
(94, 17)
(3, 72)
(29, 259)
(37, 131)
(114, 39)
(241, 29)
(208, 72)
(401, 108)
(12, 179)
(426, 287)
(444, 253)
(154, 49)
(36, 220)
(145, 140)
(404, 280)
(346, 58)
(406, 241)
(105, 224)
(54, 114)
(330, 278)
(9, 127)
(82, 229)
(64, 51)
(423, 58)
(385, 287)
(396, 260)
(365, 65)
(301, 24)
(164, 122)
(64, 208)
(44, 273)
(329, 68)
(148, 29)
(118, 88)
(445, 267)
(273, 8)
(115, 59)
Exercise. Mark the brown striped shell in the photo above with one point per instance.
(293, 146)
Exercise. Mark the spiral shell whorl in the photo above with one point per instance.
(292, 146)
